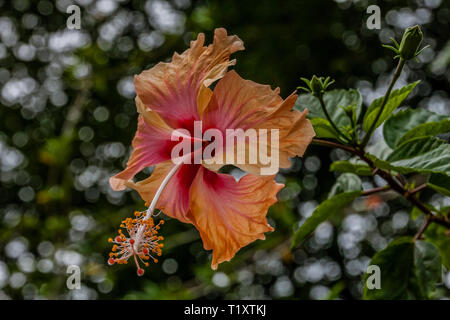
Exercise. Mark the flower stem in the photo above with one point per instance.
(327, 115)
(398, 71)
(152, 206)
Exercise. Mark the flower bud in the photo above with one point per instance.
(409, 46)
(349, 110)
(316, 86)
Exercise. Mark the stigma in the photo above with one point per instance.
(138, 239)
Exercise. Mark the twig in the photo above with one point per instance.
(392, 182)
(331, 144)
(440, 221)
(423, 228)
(375, 190)
(418, 189)
(400, 178)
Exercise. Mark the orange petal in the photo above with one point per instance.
(151, 145)
(151, 117)
(174, 200)
(296, 132)
(229, 214)
(238, 103)
(173, 89)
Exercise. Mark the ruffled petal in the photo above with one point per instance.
(243, 104)
(174, 200)
(176, 90)
(239, 103)
(230, 214)
(296, 132)
(152, 144)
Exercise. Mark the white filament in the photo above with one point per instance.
(152, 206)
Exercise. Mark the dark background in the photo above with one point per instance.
(67, 118)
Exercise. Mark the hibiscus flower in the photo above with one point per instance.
(228, 213)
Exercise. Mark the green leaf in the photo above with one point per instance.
(423, 155)
(428, 266)
(360, 169)
(395, 263)
(336, 290)
(427, 129)
(409, 270)
(346, 182)
(395, 99)
(327, 208)
(334, 101)
(403, 125)
(415, 213)
(440, 183)
(415, 147)
(439, 236)
(323, 128)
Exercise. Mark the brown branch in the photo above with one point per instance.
(400, 178)
(409, 195)
(331, 144)
(431, 218)
(440, 221)
(375, 190)
(422, 228)
(418, 189)
(392, 183)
